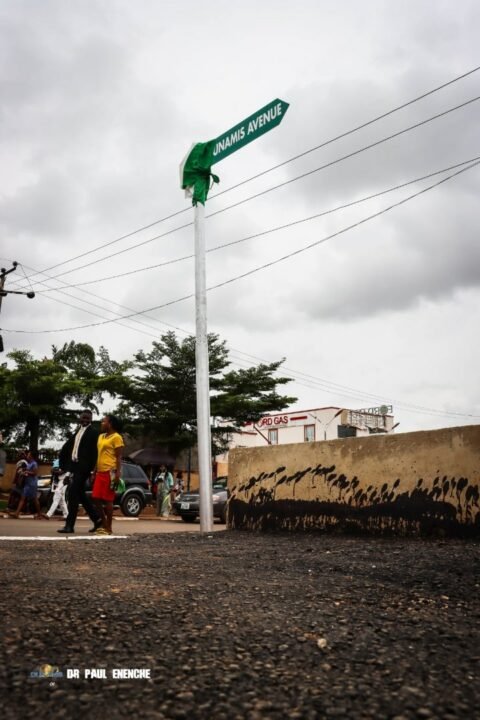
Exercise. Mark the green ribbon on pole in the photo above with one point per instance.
(196, 173)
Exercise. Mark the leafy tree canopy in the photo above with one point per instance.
(36, 395)
(157, 390)
(160, 400)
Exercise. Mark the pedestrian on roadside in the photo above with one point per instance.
(168, 490)
(78, 457)
(108, 471)
(30, 487)
(18, 481)
(179, 483)
(59, 488)
(160, 482)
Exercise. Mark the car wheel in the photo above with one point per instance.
(223, 517)
(188, 518)
(132, 505)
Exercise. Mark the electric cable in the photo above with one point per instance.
(104, 309)
(271, 189)
(271, 169)
(147, 317)
(347, 156)
(89, 312)
(309, 381)
(347, 133)
(280, 185)
(264, 266)
(263, 232)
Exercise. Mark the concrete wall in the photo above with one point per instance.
(408, 483)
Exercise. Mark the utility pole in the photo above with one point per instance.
(3, 293)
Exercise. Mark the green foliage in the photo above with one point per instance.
(97, 372)
(36, 395)
(249, 393)
(156, 389)
(160, 400)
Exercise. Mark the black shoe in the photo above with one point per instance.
(98, 523)
(67, 530)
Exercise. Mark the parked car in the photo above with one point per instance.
(131, 502)
(45, 494)
(187, 505)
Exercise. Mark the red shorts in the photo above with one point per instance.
(101, 487)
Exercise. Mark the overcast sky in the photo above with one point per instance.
(100, 101)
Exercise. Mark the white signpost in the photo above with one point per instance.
(195, 177)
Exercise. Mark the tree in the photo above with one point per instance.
(160, 399)
(36, 395)
(245, 396)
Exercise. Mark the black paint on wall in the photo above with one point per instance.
(450, 505)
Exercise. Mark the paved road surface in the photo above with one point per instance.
(241, 626)
(28, 527)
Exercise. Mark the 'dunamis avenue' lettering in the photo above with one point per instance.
(242, 132)
(264, 118)
(229, 140)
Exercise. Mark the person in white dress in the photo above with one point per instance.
(59, 491)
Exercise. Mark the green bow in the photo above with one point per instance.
(197, 172)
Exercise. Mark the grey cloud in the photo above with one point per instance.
(98, 108)
(443, 142)
(46, 208)
(428, 254)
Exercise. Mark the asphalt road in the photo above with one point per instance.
(234, 625)
(28, 527)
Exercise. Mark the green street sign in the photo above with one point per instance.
(249, 129)
(195, 168)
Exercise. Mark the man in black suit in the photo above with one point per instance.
(79, 457)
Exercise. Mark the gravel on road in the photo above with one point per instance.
(238, 625)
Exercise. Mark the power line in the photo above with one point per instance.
(265, 232)
(275, 167)
(308, 381)
(299, 377)
(352, 393)
(265, 265)
(103, 299)
(119, 252)
(347, 133)
(89, 312)
(117, 240)
(276, 187)
(348, 155)
(340, 232)
(100, 307)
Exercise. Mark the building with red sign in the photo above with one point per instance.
(327, 423)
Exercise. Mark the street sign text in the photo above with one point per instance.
(249, 129)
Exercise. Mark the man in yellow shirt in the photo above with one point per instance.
(108, 471)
